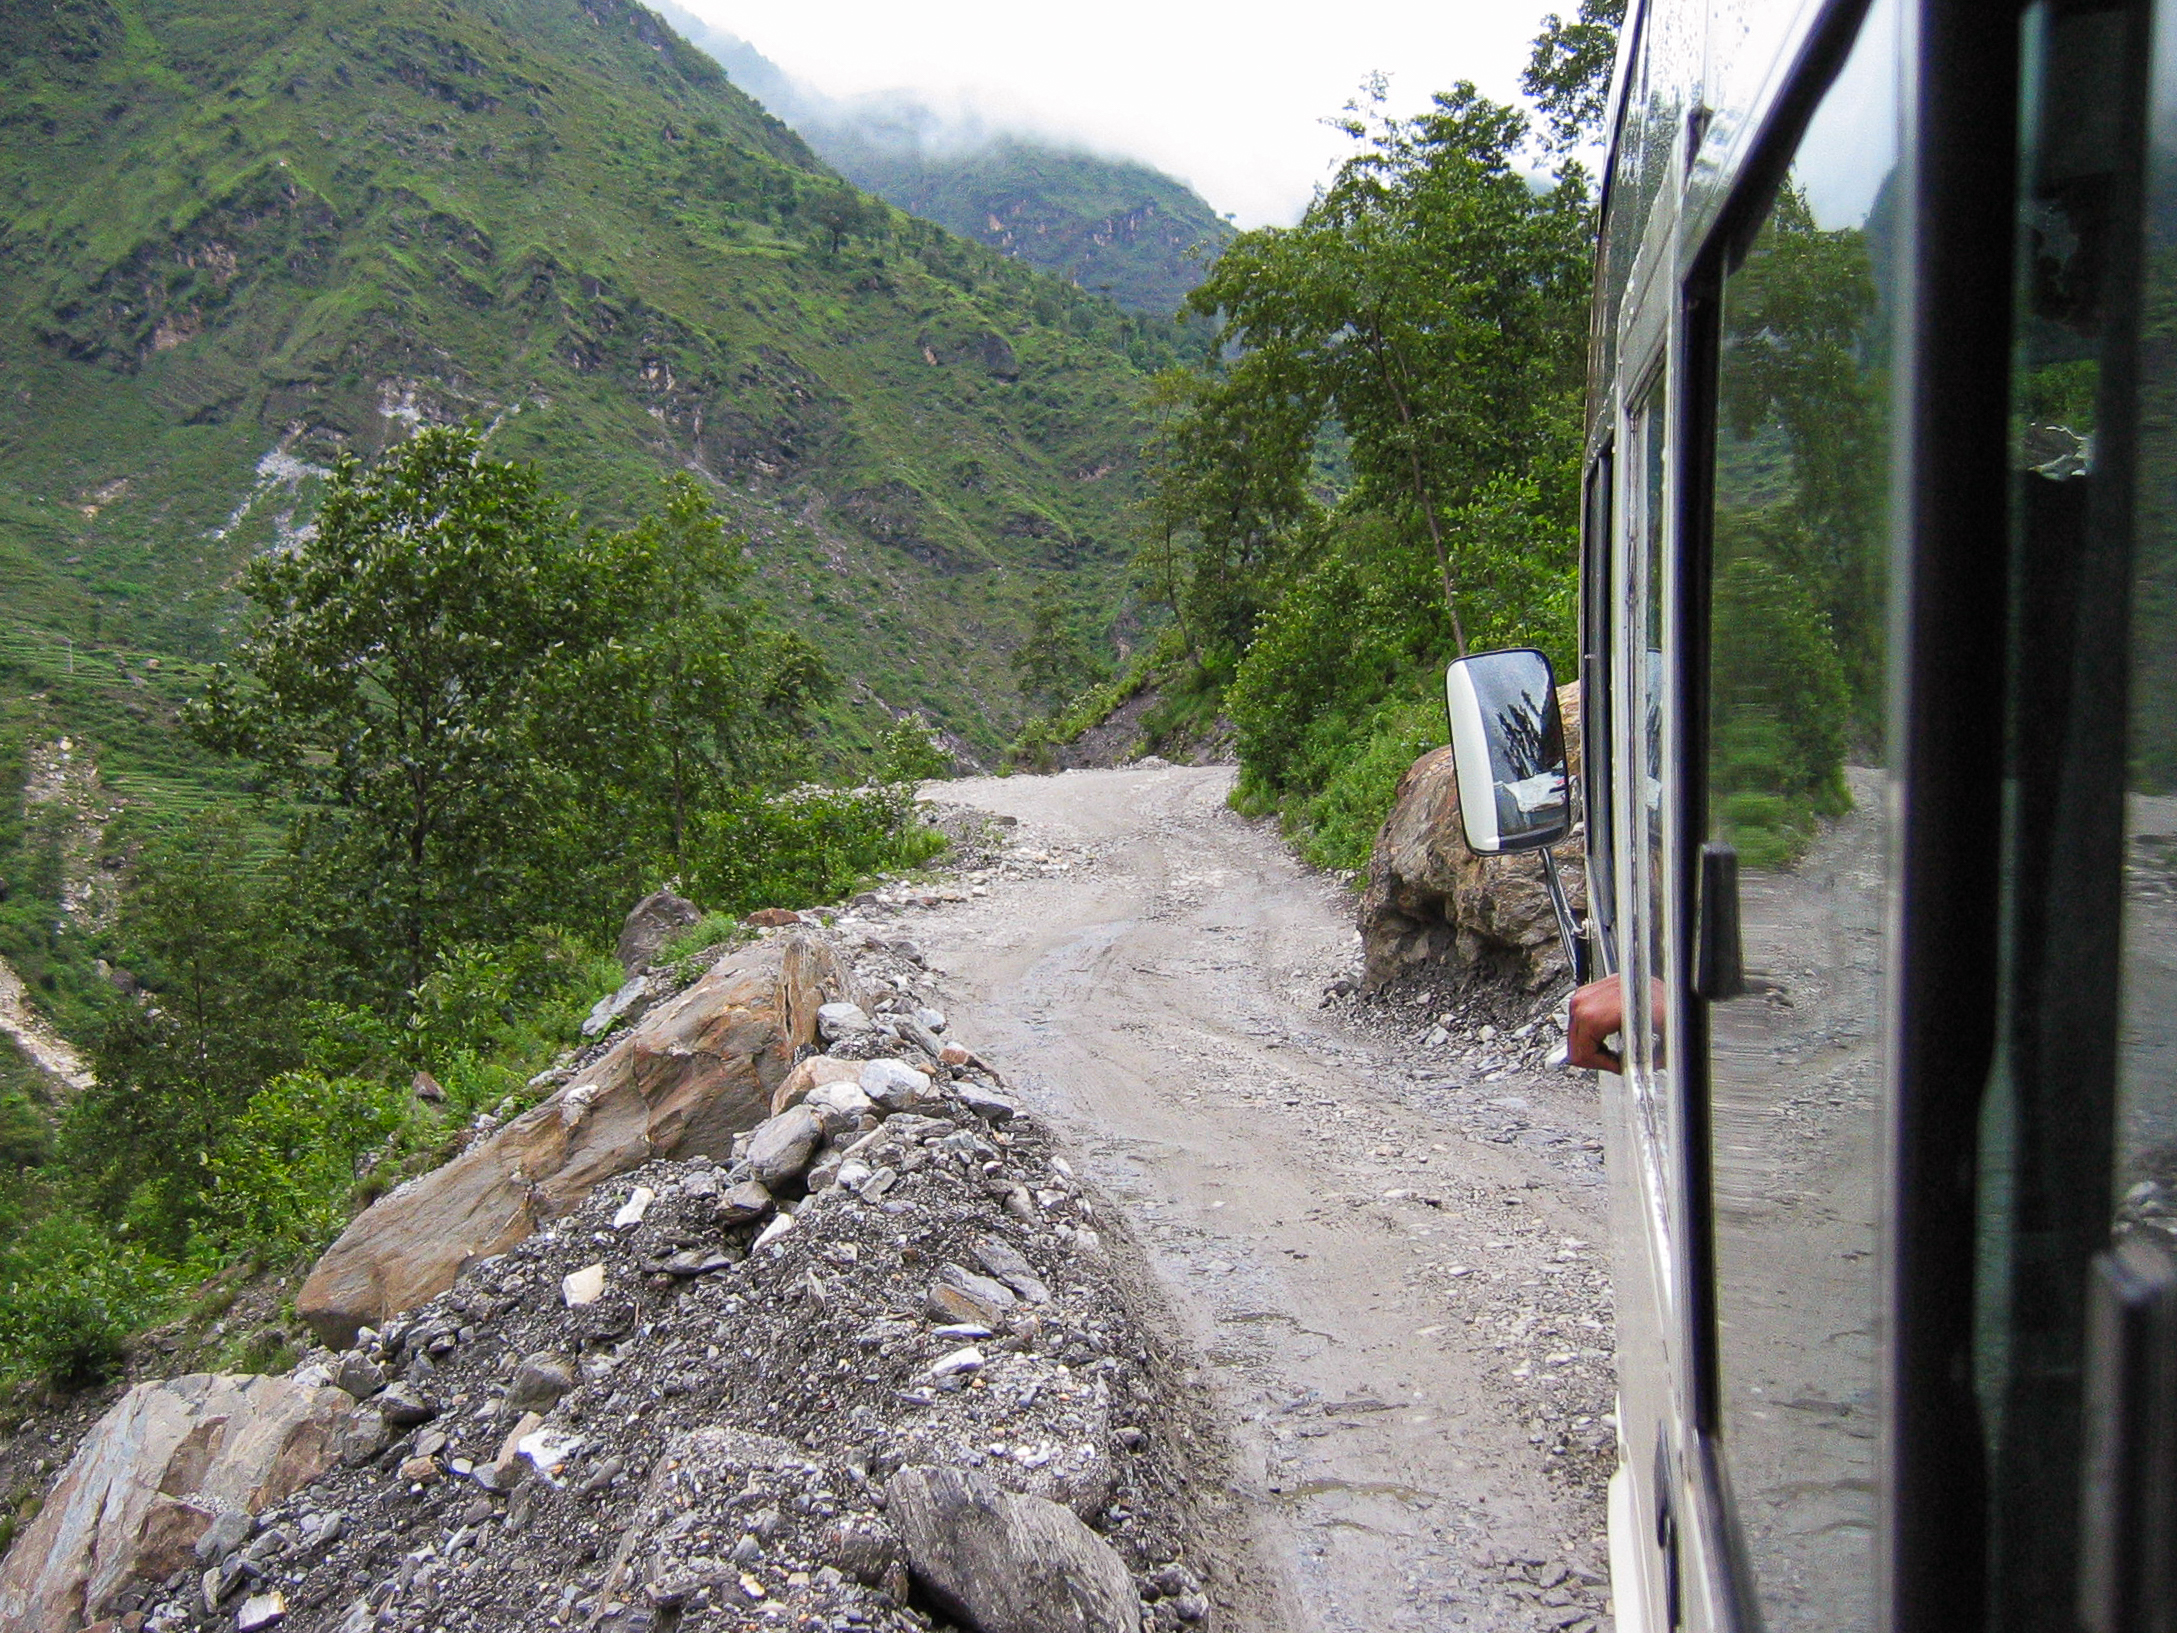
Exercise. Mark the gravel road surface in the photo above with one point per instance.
(1389, 1253)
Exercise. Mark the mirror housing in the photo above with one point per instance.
(1508, 751)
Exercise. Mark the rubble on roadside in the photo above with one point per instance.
(698, 1399)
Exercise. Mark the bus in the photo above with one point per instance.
(1879, 664)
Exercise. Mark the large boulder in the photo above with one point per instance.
(654, 921)
(697, 1070)
(1000, 1562)
(1430, 900)
(164, 1463)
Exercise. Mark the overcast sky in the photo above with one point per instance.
(1228, 96)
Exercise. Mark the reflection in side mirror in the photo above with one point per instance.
(1508, 750)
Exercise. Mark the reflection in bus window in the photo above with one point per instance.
(1795, 787)
(1647, 1057)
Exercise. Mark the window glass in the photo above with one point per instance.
(1796, 790)
(2147, 1059)
(2082, 1066)
(1646, 1056)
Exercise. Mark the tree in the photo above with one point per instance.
(1053, 665)
(1568, 71)
(220, 1014)
(1428, 304)
(390, 677)
(690, 697)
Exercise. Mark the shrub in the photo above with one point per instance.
(807, 845)
(71, 1292)
(280, 1181)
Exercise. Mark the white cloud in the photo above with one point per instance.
(1228, 97)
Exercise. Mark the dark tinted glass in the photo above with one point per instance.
(1796, 781)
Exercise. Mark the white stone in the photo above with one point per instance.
(969, 1359)
(632, 1210)
(584, 1286)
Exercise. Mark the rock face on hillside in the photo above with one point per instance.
(697, 1071)
(171, 1473)
(1431, 901)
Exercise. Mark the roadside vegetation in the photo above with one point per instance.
(1377, 468)
(476, 734)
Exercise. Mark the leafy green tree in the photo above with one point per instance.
(1428, 303)
(689, 697)
(1054, 664)
(223, 987)
(1568, 71)
(910, 751)
(390, 678)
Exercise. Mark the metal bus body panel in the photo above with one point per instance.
(1698, 86)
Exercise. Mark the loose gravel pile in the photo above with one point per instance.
(680, 1406)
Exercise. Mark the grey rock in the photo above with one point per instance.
(359, 1375)
(959, 1294)
(862, 1546)
(894, 1085)
(841, 1105)
(835, 1021)
(1006, 1262)
(361, 1436)
(932, 1020)
(1005, 1563)
(260, 1611)
(987, 1104)
(744, 1203)
(781, 1147)
(825, 1170)
(696, 1261)
(403, 1406)
(223, 1536)
(651, 925)
(630, 997)
(538, 1383)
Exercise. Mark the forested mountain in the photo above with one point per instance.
(240, 240)
(1110, 225)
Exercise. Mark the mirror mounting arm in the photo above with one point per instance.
(1568, 932)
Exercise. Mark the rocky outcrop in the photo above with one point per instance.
(653, 922)
(696, 1071)
(1000, 1562)
(165, 1483)
(1432, 902)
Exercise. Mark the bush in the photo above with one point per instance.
(71, 1292)
(807, 845)
(281, 1179)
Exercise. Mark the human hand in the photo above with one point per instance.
(1597, 1011)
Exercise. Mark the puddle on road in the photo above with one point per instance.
(1326, 1486)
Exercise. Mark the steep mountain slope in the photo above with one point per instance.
(238, 240)
(1110, 225)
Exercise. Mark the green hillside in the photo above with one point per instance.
(239, 239)
(1109, 225)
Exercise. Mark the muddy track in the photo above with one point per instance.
(1391, 1259)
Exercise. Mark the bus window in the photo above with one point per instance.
(2081, 1114)
(1641, 746)
(1795, 779)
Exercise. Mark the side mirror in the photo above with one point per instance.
(1508, 748)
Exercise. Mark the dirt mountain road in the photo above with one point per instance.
(1392, 1257)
